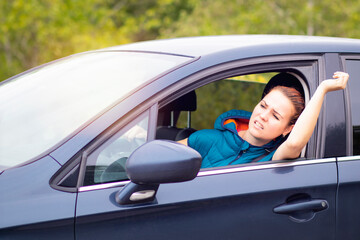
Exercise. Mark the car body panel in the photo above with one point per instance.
(244, 45)
(31, 206)
(222, 203)
(348, 197)
(214, 206)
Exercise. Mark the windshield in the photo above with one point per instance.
(44, 106)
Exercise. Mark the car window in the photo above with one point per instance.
(240, 92)
(352, 67)
(58, 98)
(107, 162)
(200, 108)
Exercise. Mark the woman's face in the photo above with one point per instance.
(270, 118)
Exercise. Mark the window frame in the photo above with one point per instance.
(348, 110)
(93, 156)
(110, 133)
(314, 62)
(266, 64)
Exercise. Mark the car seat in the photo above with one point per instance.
(167, 128)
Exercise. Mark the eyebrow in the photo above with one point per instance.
(277, 113)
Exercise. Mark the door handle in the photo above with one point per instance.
(315, 205)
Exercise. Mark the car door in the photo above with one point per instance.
(293, 200)
(349, 179)
(274, 200)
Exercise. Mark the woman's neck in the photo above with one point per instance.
(245, 135)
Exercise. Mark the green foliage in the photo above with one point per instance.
(37, 31)
(310, 17)
(221, 96)
(242, 92)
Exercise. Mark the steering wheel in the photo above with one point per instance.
(115, 171)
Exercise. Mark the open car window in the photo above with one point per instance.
(239, 92)
(199, 108)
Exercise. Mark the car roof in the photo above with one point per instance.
(263, 44)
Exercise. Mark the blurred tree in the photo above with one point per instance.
(143, 20)
(37, 31)
(241, 92)
(322, 18)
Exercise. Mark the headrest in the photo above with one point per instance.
(186, 102)
(286, 80)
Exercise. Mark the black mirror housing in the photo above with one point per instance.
(154, 163)
(162, 161)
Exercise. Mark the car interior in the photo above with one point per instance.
(168, 116)
(178, 119)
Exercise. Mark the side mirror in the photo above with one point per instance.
(154, 163)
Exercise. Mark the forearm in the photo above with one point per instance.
(306, 123)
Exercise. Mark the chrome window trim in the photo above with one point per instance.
(103, 186)
(222, 171)
(265, 166)
(349, 158)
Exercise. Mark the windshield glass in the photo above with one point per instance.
(44, 106)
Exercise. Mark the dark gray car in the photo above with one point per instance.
(70, 129)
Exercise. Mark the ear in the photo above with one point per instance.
(288, 130)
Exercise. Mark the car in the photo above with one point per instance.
(89, 148)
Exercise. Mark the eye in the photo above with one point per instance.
(262, 105)
(276, 117)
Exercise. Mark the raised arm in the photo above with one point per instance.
(305, 124)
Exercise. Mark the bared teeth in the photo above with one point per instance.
(259, 125)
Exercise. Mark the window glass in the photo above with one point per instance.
(107, 163)
(353, 68)
(47, 104)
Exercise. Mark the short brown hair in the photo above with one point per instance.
(295, 97)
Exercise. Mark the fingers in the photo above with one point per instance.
(338, 82)
(339, 74)
(342, 78)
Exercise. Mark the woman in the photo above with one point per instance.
(242, 137)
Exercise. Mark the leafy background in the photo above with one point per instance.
(33, 32)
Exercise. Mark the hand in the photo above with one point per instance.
(338, 83)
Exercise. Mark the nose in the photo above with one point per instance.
(265, 115)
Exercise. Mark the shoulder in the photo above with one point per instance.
(203, 136)
(204, 141)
